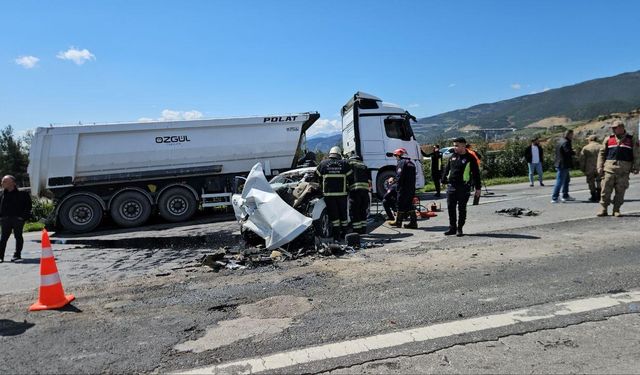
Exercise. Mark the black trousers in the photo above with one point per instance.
(405, 199)
(9, 224)
(337, 211)
(457, 198)
(390, 203)
(359, 203)
(436, 180)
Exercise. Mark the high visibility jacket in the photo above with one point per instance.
(361, 175)
(335, 177)
(462, 170)
(620, 149)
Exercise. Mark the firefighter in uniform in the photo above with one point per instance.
(335, 176)
(589, 165)
(406, 180)
(460, 174)
(359, 194)
(618, 157)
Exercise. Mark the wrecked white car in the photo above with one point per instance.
(283, 209)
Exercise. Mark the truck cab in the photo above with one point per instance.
(374, 129)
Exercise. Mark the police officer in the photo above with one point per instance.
(359, 194)
(589, 164)
(406, 178)
(618, 157)
(460, 174)
(335, 176)
(436, 168)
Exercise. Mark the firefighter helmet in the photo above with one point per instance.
(335, 151)
(399, 152)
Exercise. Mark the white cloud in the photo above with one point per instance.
(171, 115)
(325, 126)
(516, 86)
(27, 62)
(452, 85)
(545, 89)
(79, 57)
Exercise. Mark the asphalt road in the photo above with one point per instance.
(142, 307)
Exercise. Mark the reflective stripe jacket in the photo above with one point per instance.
(619, 150)
(361, 175)
(462, 170)
(335, 177)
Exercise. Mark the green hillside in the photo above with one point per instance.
(582, 101)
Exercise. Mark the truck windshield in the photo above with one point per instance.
(398, 128)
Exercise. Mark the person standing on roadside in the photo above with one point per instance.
(15, 209)
(359, 194)
(461, 174)
(563, 163)
(436, 168)
(335, 176)
(534, 157)
(589, 165)
(406, 180)
(618, 157)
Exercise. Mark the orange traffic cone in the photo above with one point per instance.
(51, 293)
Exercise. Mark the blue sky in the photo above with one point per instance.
(106, 61)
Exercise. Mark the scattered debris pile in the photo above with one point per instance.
(517, 212)
(243, 257)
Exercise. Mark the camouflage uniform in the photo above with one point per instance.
(618, 157)
(589, 165)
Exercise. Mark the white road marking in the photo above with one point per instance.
(344, 348)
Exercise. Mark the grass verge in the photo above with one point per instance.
(33, 226)
(549, 175)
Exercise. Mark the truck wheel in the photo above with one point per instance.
(130, 209)
(80, 214)
(322, 226)
(382, 177)
(177, 204)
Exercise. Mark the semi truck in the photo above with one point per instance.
(131, 171)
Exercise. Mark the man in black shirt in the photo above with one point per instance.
(436, 168)
(461, 173)
(15, 209)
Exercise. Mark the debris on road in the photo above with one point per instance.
(517, 212)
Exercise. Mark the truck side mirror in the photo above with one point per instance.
(389, 154)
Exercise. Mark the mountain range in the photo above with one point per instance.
(566, 105)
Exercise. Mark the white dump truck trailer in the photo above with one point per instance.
(131, 170)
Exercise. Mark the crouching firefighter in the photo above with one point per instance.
(335, 176)
(359, 194)
(406, 185)
(461, 173)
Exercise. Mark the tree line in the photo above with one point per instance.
(14, 154)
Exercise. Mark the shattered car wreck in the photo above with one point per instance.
(288, 207)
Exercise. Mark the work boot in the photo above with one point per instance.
(459, 232)
(398, 221)
(603, 212)
(413, 221)
(451, 231)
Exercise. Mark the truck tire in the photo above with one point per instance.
(380, 179)
(177, 204)
(130, 209)
(80, 214)
(322, 226)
